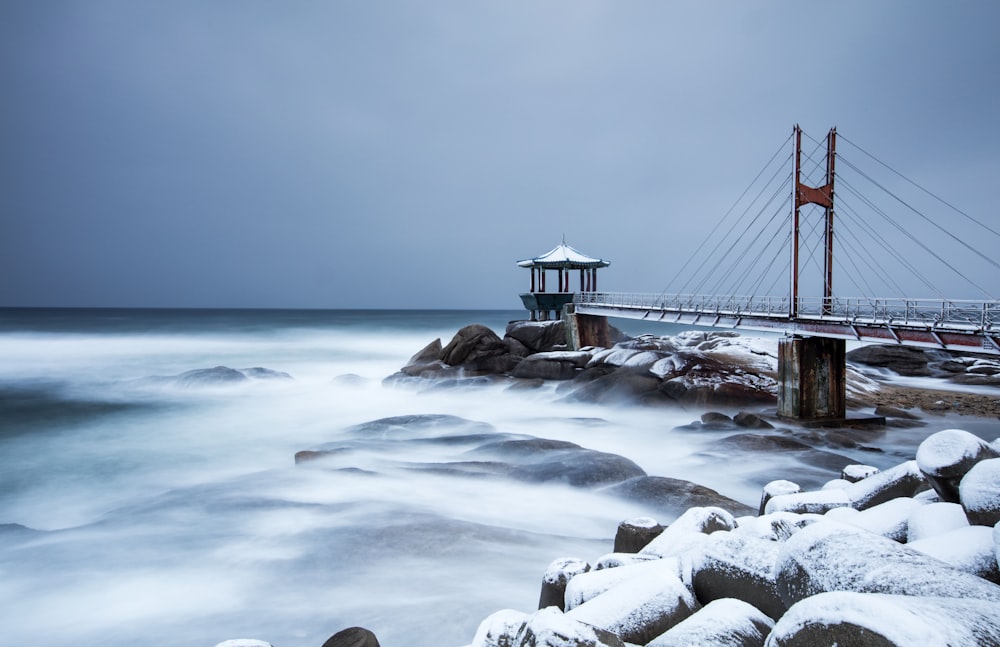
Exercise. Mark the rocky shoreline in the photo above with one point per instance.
(904, 555)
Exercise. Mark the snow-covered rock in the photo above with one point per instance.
(499, 628)
(634, 534)
(551, 628)
(777, 488)
(970, 549)
(814, 502)
(589, 585)
(831, 556)
(946, 457)
(979, 492)
(934, 519)
(855, 473)
(640, 608)
(889, 519)
(850, 618)
(904, 479)
(555, 579)
(738, 565)
(684, 532)
(723, 622)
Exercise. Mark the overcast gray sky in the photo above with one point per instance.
(339, 154)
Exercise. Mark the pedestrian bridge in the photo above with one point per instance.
(970, 326)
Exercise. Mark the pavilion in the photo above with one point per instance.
(563, 259)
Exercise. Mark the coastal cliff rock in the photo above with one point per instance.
(693, 368)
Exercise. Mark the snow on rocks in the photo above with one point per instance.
(640, 608)
(551, 628)
(777, 488)
(831, 556)
(970, 549)
(855, 473)
(979, 492)
(498, 628)
(793, 577)
(689, 529)
(589, 585)
(556, 576)
(945, 457)
(849, 618)
(634, 534)
(723, 622)
(934, 519)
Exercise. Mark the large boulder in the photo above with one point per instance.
(352, 637)
(904, 360)
(725, 622)
(551, 365)
(539, 460)
(738, 565)
(538, 336)
(946, 457)
(478, 350)
(979, 492)
(640, 608)
(551, 628)
(829, 556)
(671, 497)
(868, 620)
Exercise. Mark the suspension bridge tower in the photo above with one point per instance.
(812, 371)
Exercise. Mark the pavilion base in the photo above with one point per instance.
(585, 330)
(812, 378)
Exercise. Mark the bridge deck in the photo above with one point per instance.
(969, 326)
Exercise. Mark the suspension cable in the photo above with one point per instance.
(939, 199)
(727, 214)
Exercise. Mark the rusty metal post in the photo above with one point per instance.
(831, 156)
(794, 303)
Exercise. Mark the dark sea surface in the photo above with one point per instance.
(139, 508)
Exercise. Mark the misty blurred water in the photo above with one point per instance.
(137, 511)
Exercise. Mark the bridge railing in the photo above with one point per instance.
(931, 313)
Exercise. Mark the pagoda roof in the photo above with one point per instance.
(564, 257)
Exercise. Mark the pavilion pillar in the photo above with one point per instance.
(542, 270)
(532, 279)
(812, 374)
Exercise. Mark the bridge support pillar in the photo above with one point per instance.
(812, 374)
(585, 330)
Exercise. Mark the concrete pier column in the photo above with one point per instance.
(812, 378)
(585, 330)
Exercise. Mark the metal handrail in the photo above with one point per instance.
(955, 314)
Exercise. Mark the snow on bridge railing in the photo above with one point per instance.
(930, 313)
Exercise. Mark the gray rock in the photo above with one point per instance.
(550, 628)
(904, 480)
(869, 620)
(554, 365)
(738, 565)
(670, 498)
(633, 534)
(724, 622)
(352, 637)
(555, 579)
(638, 609)
(979, 492)
(830, 556)
(538, 336)
(901, 359)
(946, 457)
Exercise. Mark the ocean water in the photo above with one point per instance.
(139, 509)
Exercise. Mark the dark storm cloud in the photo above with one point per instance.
(399, 154)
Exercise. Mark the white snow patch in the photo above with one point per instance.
(934, 519)
(947, 448)
(970, 549)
